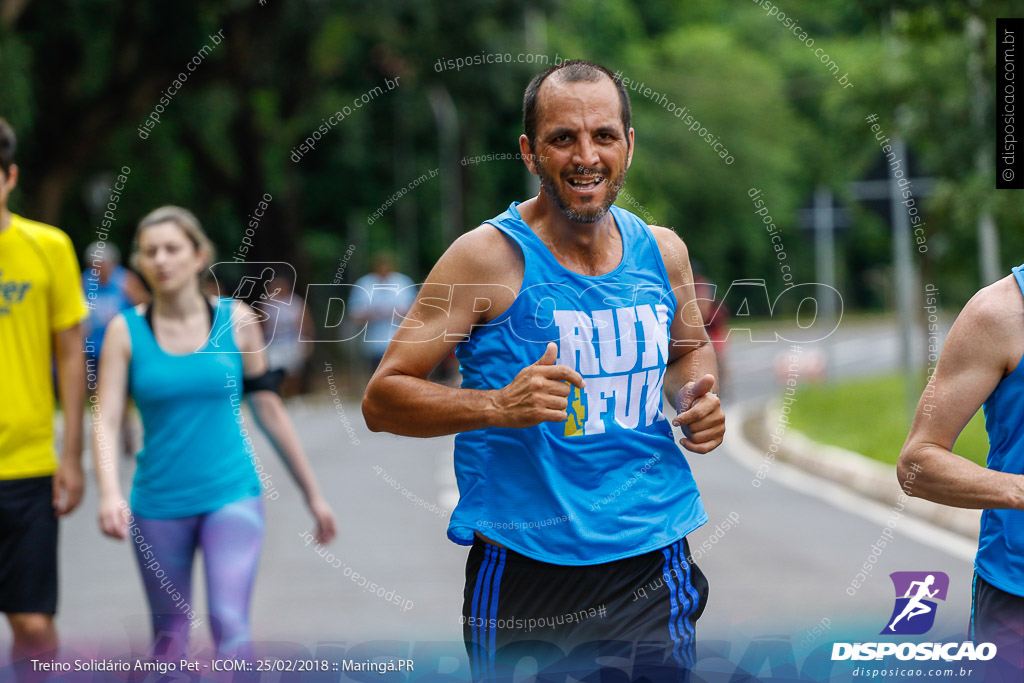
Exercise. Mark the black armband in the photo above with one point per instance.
(268, 381)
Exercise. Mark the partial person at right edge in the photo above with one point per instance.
(980, 367)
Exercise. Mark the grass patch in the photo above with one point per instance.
(867, 416)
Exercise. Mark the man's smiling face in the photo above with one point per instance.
(581, 149)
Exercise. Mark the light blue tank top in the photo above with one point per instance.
(1000, 559)
(193, 457)
(609, 482)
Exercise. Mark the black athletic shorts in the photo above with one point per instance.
(28, 546)
(638, 613)
(998, 617)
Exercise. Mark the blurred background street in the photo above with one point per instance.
(783, 568)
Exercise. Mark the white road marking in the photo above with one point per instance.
(843, 498)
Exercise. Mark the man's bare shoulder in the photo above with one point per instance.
(997, 309)
(673, 253)
(483, 255)
(989, 326)
(672, 246)
(667, 237)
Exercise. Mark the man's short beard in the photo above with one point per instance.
(588, 214)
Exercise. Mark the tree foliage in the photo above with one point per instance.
(78, 88)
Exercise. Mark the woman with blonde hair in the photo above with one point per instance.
(196, 485)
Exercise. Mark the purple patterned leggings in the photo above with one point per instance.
(231, 538)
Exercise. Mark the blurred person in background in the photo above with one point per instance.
(196, 485)
(981, 367)
(41, 311)
(379, 301)
(109, 289)
(286, 350)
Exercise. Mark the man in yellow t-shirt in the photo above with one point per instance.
(41, 308)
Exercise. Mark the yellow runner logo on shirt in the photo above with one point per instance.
(577, 413)
(11, 292)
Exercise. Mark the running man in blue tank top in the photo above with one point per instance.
(572, 318)
(981, 367)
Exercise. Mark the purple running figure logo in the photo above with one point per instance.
(916, 593)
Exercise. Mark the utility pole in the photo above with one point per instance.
(823, 220)
(406, 232)
(535, 34)
(825, 265)
(446, 117)
(988, 237)
(905, 278)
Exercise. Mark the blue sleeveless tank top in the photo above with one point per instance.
(193, 457)
(609, 482)
(1000, 559)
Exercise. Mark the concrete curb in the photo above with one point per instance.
(864, 476)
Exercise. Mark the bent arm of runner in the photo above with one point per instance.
(691, 378)
(974, 360)
(474, 281)
(272, 418)
(112, 392)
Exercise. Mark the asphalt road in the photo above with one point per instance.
(800, 542)
(783, 569)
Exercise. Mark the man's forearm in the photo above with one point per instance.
(410, 406)
(690, 367)
(938, 475)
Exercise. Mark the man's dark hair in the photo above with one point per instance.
(571, 71)
(8, 141)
